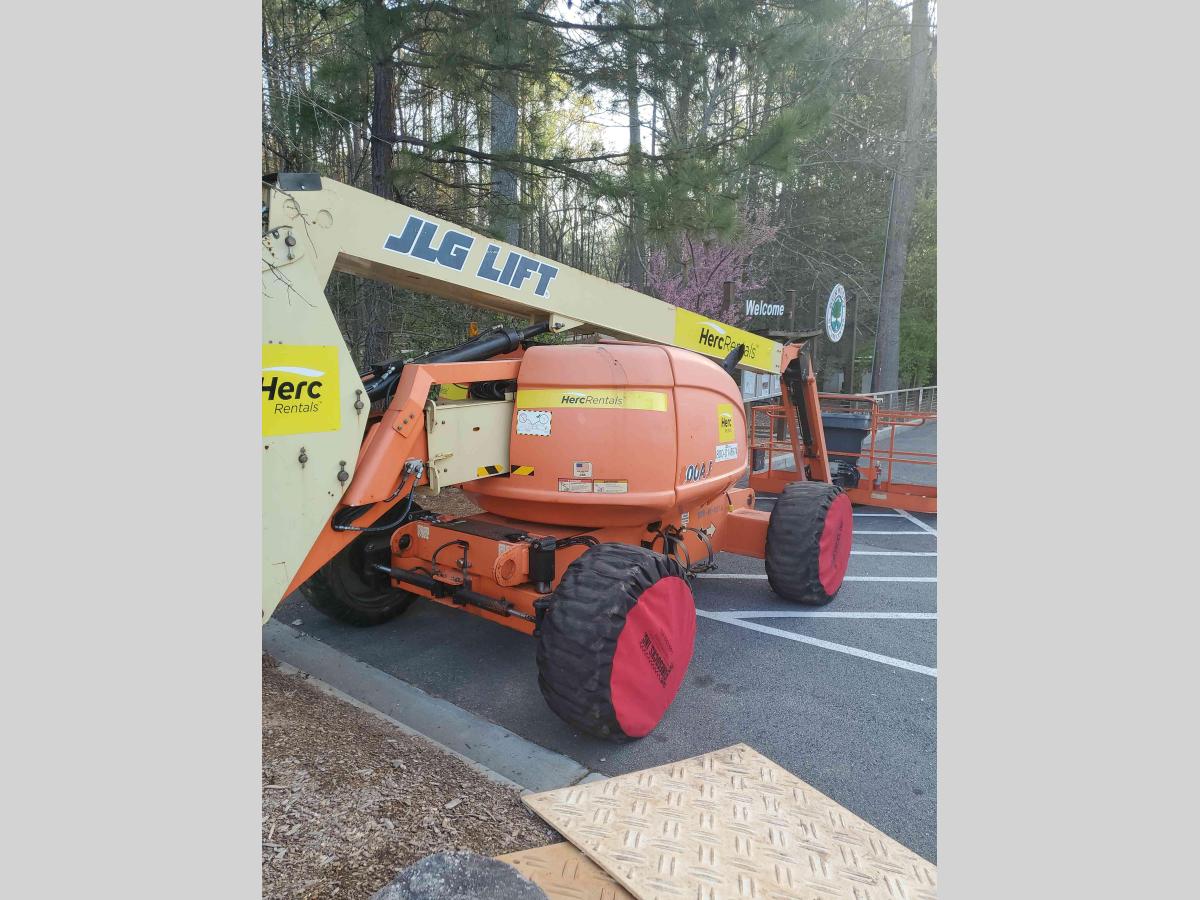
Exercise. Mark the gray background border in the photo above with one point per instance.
(1067, 189)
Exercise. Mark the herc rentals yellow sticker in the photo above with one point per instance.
(704, 335)
(299, 389)
(576, 398)
(725, 430)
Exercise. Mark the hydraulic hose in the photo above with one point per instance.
(501, 339)
(729, 363)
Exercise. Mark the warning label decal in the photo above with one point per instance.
(574, 486)
(611, 486)
(534, 421)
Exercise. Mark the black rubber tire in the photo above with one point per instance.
(794, 542)
(584, 620)
(342, 589)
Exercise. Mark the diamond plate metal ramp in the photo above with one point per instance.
(728, 824)
(566, 874)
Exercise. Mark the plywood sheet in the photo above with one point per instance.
(731, 824)
(564, 873)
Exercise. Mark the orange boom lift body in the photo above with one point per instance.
(608, 475)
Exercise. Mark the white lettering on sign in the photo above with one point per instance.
(759, 308)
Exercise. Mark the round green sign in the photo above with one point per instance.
(835, 313)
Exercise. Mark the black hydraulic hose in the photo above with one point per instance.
(579, 540)
(459, 595)
(379, 529)
(413, 578)
(501, 339)
(342, 520)
(729, 363)
(378, 387)
(793, 381)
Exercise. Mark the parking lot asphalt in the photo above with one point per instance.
(844, 696)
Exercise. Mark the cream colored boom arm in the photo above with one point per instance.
(353, 231)
(314, 404)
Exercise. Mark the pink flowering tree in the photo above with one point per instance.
(705, 264)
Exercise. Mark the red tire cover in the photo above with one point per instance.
(836, 539)
(652, 656)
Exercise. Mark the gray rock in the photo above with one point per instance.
(460, 875)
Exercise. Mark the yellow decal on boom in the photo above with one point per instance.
(725, 431)
(299, 389)
(574, 398)
(700, 333)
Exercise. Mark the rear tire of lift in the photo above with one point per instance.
(809, 537)
(616, 641)
(345, 590)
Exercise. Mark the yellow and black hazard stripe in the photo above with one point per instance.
(485, 471)
(522, 470)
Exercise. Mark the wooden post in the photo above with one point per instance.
(852, 304)
(816, 341)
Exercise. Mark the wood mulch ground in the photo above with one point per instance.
(349, 799)
(450, 501)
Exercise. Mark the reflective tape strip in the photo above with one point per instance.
(576, 398)
(522, 470)
(485, 471)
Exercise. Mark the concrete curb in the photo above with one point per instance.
(495, 751)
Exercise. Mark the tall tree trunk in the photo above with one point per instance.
(885, 375)
(504, 207)
(377, 297)
(504, 140)
(457, 165)
(637, 240)
(383, 124)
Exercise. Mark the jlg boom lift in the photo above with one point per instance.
(606, 471)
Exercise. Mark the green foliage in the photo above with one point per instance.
(774, 147)
(918, 310)
(786, 112)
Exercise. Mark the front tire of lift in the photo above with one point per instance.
(346, 590)
(616, 641)
(809, 537)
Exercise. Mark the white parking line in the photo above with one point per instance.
(893, 553)
(817, 642)
(918, 522)
(921, 579)
(818, 614)
(857, 514)
(931, 579)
